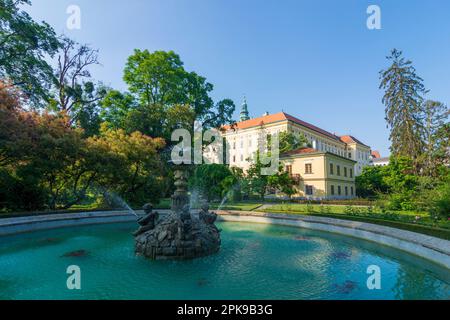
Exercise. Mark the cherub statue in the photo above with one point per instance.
(147, 222)
(185, 213)
(206, 215)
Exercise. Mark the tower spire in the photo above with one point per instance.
(244, 111)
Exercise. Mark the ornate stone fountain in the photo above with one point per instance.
(180, 234)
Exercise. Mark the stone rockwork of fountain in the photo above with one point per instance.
(180, 234)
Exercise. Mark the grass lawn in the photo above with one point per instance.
(406, 220)
(241, 206)
(335, 209)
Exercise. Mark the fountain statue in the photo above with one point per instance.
(179, 234)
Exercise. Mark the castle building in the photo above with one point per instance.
(243, 138)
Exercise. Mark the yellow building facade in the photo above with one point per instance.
(319, 174)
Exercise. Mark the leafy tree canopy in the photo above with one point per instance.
(436, 136)
(163, 96)
(24, 46)
(291, 141)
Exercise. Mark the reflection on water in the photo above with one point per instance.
(256, 261)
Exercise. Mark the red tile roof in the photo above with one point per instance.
(351, 139)
(257, 121)
(300, 151)
(376, 154)
(280, 116)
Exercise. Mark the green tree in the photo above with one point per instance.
(134, 170)
(436, 115)
(371, 182)
(282, 182)
(290, 141)
(232, 185)
(47, 160)
(115, 107)
(75, 93)
(163, 89)
(73, 63)
(231, 188)
(441, 198)
(441, 154)
(399, 174)
(142, 119)
(403, 97)
(156, 77)
(86, 112)
(402, 182)
(58, 160)
(256, 182)
(208, 179)
(24, 47)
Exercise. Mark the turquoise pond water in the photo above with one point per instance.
(257, 261)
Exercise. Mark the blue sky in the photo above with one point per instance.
(313, 59)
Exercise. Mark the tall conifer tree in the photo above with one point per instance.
(403, 99)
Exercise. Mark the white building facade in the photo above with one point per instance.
(242, 140)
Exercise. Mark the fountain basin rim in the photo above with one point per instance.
(428, 247)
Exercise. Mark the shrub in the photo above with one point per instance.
(324, 209)
(21, 193)
(441, 203)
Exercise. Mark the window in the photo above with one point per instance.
(308, 190)
(338, 168)
(345, 171)
(350, 155)
(346, 191)
(289, 169)
(234, 145)
(242, 143)
(332, 190)
(339, 190)
(308, 168)
(351, 173)
(234, 158)
(331, 168)
(351, 190)
(242, 157)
